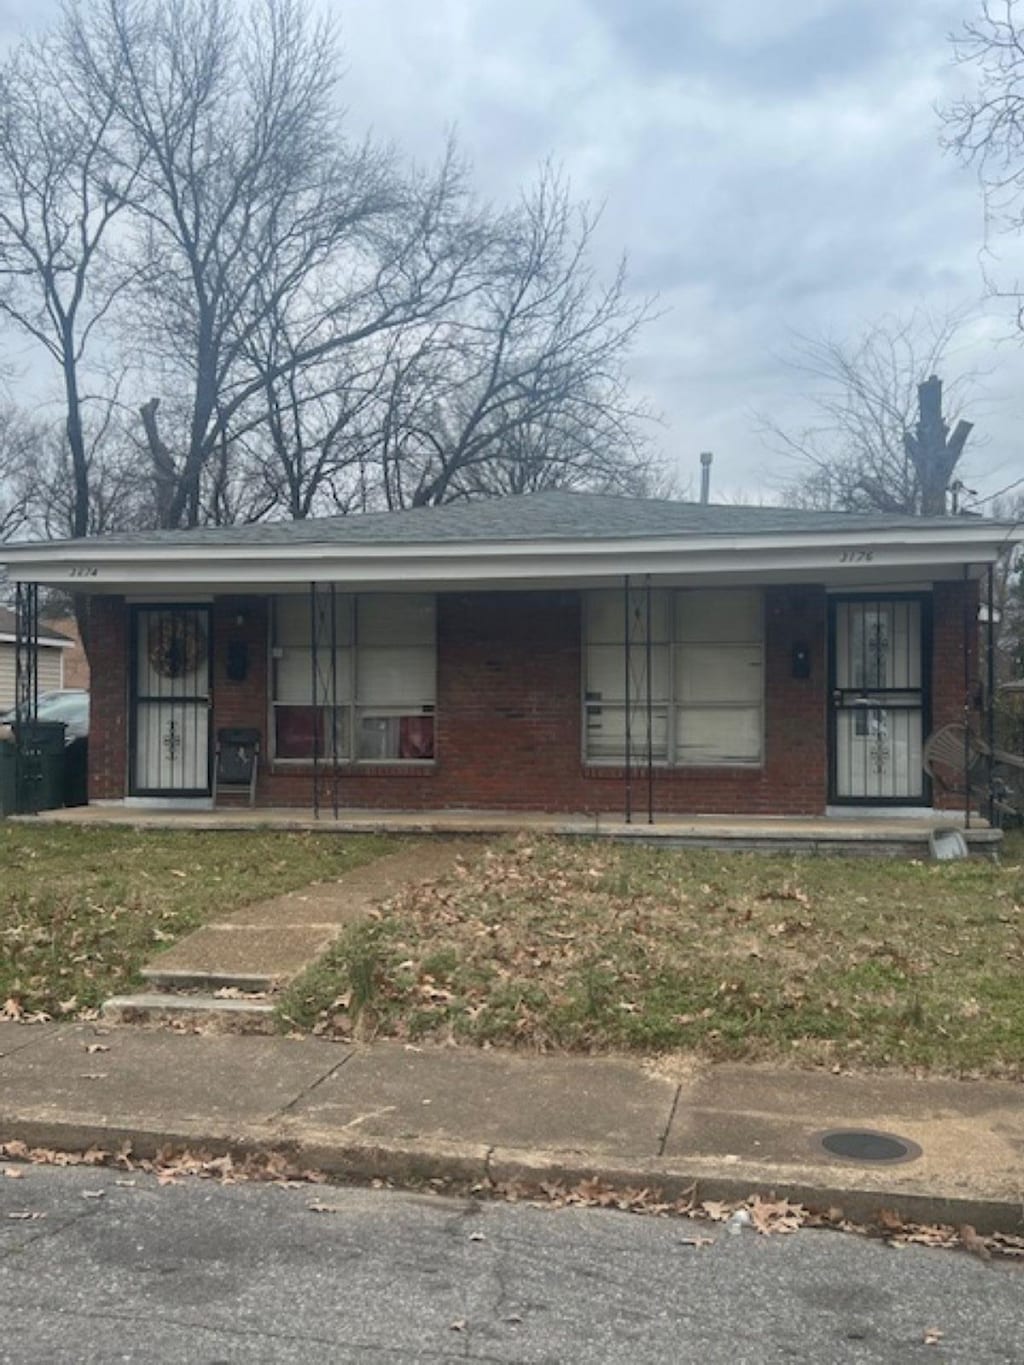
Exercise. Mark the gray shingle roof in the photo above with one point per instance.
(530, 517)
(9, 626)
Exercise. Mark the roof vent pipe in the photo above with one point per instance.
(705, 474)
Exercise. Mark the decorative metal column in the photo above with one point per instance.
(649, 672)
(638, 699)
(990, 694)
(323, 626)
(26, 651)
(627, 631)
(26, 682)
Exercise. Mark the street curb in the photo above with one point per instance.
(481, 1168)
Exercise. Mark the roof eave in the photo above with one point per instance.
(105, 565)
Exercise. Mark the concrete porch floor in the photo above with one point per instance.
(874, 835)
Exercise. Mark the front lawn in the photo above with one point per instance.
(82, 909)
(594, 946)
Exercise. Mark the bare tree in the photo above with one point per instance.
(523, 387)
(298, 322)
(251, 202)
(985, 129)
(20, 443)
(59, 195)
(879, 440)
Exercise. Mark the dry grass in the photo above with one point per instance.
(82, 909)
(593, 946)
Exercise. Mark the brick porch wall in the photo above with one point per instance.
(508, 711)
(108, 705)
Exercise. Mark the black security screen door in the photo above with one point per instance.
(171, 713)
(878, 700)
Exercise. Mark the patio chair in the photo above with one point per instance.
(957, 761)
(237, 761)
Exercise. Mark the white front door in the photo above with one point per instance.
(171, 729)
(877, 697)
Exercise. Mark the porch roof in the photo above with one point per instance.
(540, 538)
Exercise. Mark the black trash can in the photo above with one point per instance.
(76, 773)
(8, 777)
(41, 768)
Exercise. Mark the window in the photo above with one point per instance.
(378, 706)
(705, 660)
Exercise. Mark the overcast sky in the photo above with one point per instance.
(769, 167)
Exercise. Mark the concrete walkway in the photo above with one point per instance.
(409, 1113)
(233, 967)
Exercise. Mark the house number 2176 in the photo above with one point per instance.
(856, 556)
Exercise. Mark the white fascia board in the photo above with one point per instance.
(92, 567)
(44, 641)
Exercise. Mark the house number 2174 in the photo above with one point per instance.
(82, 571)
(856, 556)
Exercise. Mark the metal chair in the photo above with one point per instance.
(237, 762)
(957, 761)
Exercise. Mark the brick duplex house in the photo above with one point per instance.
(551, 651)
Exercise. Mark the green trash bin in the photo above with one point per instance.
(8, 778)
(41, 767)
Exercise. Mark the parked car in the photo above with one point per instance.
(69, 704)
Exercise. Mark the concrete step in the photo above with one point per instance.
(199, 1007)
(193, 979)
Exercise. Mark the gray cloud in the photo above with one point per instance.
(768, 167)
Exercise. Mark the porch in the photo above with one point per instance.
(888, 834)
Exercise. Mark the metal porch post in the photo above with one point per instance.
(627, 634)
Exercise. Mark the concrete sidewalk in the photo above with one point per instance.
(408, 1113)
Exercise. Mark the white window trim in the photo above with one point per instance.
(638, 759)
(353, 705)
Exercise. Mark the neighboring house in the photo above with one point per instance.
(76, 661)
(552, 651)
(54, 647)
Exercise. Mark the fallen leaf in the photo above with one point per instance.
(932, 1336)
(13, 1173)
(12, 1009)
(97, 1047)
(477, 1237)
(94, 1194)
(780, 1215)
(697, 1241)
(459, 1325)
(25, 1216)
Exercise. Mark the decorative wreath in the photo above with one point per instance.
(177, 645)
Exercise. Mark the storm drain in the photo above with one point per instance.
(864, 1144)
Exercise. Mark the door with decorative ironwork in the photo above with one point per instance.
(171, 710)
(878, 699)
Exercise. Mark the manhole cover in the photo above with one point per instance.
(864, 1144)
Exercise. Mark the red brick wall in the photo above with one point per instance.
(509, 725)
(956, 691)
(242, 622)
(508, 711)
(108, 705)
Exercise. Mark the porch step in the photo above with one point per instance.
(197, 1008)
(196, 979)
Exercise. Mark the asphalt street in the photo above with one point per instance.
(115, 1267)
